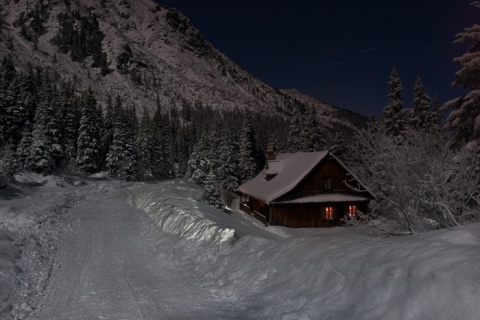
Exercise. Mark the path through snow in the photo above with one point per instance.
(110, 268)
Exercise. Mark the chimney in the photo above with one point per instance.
(270, 155)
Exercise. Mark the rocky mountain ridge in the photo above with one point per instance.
(144, 52)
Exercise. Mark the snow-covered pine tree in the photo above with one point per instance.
(40, 159)
(108, 126)
(70, 110)
(54, 124)
(295, 130)
(183, 140)
(131, 157)
(88, 143)
(464, 118)
(122, 158)
(339, 146)
(212, 192)
(247, 151)
(7, 165)
(46, 152)
(421, 106)
(23, 148)
(162, 164)
(117, 147)
(16, 112)
(393, 114)
(227, 170)
(145, 147)
(310, 137)
(199, 165)
(3, 111)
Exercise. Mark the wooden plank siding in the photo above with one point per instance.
(257, 209)
(314, 181)
(309, 215)
(289, 210)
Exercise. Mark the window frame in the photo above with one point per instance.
(328, 213)
(352, 211)
(327, 183)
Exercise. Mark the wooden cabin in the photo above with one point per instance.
(304, 190)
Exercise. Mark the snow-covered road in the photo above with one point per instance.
(110, 267)
(157, 251)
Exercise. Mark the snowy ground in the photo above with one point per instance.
(93, 250)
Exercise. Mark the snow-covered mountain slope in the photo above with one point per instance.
(150, 52)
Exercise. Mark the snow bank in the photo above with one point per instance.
(173, 206)
(323, 274)
(317, 273)
(353, 277)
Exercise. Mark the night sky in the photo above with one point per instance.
(341, 52)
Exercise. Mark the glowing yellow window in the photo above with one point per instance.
(329, 213)
(352, 211)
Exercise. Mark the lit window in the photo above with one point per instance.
(329, 213)
(327, 183)
(352, 211)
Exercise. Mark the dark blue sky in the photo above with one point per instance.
(340, 52)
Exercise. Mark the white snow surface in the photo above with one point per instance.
(173, 206)
(173, 257)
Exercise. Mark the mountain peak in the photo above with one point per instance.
(137, 49)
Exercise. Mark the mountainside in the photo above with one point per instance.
(143, 52)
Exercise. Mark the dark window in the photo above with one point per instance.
(327, 183)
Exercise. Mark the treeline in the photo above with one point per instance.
(49, 126)
(422, 177)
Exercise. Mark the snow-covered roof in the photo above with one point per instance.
(289, 168)
(325, 197)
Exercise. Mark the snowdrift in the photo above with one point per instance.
(324, 274)
(173, 206)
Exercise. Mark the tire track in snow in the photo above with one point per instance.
(113, 260)
(132, 292)
(85, 264)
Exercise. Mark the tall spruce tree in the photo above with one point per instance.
(419, 119)
(88, 143)
(122, 157)
(199, 164)
(145, 147)
(393, 114)
(247, 151)
(310, 137)
(295, 131)
(227, 169)
(70, 110)
(23, 148)
(40, 158)
(464, 118)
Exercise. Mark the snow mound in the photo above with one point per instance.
(173, 206)
(352, 277)
(35, 179)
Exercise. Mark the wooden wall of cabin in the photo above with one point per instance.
(314, 182)
(310, 215)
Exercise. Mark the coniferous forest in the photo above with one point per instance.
(405, 158)
(423, 169)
